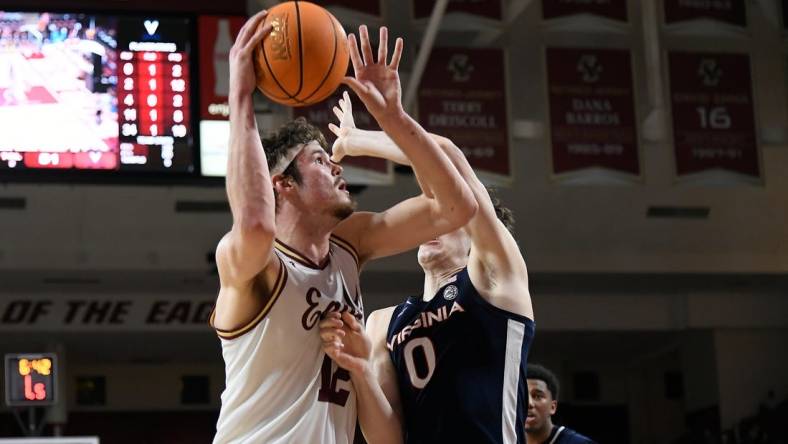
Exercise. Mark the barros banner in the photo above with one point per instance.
(611, 9)
(713, 113)
(137, 312)
(462, 96)
(593, 123)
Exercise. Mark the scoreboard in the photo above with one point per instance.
(153, 95)
(30, 379)
(95, 94)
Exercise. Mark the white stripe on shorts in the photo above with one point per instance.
(515, 331)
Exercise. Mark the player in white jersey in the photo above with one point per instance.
(294, 253)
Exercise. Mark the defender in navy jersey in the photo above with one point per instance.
(452, 361)
(460, 362)
(543, 391)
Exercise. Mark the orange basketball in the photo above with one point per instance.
(304, 58)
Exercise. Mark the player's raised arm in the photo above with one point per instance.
(247, 248)
(493, 247)
(415, 220)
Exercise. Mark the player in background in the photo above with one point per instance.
(294, 253)
(452, 360)
(543, 389)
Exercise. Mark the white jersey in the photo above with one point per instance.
(280, 387)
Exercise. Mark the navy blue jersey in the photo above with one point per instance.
(460, 365)
(565, 435)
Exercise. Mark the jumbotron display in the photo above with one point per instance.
(95, 92)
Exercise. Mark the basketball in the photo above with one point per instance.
(304, 58)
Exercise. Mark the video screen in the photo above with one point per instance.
(94, 92)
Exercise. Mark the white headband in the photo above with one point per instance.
(286, 160)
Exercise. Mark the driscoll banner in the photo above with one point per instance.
(463, 96)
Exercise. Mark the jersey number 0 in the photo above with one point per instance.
(428, 351)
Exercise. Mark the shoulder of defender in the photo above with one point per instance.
(379, 319)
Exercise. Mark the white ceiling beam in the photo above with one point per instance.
(424, 52)
(515, 9)
(771, 11)
(655, 123)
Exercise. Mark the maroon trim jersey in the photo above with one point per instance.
(280, 387)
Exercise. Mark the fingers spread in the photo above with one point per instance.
(383, 45)
(366, 47)
(355, 57)
(395, 58)
(334, 129)
(355, 85)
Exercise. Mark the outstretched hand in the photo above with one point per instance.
(242, 72)
(344, 113)
(345, 341)
(376, 83)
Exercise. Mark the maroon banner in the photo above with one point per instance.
(728, 11)
(321, 114)
(371, 7)
(713, 113)
(462, 96)
(484, 8)
(216, 37)
(612, 9)
(592, 111)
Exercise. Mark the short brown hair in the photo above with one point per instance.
(504, 214)
(296, 132)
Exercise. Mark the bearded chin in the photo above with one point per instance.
(344, 210)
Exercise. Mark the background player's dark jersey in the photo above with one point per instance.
(460, 365)
(565, 435)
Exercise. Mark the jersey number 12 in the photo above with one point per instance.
(328, 383)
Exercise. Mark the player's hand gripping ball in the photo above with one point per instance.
(304, 58)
